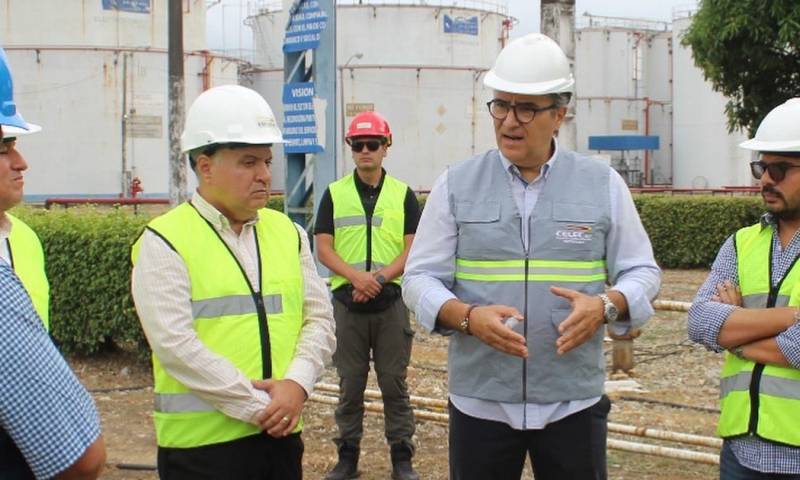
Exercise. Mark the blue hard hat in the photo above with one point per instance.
(9, 116)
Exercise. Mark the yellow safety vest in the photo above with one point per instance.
(758, 399)
(256, 332)
(387, 225)
(27, 260)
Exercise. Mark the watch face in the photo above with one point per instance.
(381, 279)
(611, 311)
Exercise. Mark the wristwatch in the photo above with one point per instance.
(380, 279)
(610, 312)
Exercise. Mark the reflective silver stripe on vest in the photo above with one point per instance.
(362, 266)
(780, 387)
(735, 383)
(356, 220)
(759, 300)
(234, 305)
(181, 402)
(770, 385)
(531, 270)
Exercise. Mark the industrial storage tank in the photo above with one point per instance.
(624, 87)
(419, 62)
(706, 155)
(94, 75)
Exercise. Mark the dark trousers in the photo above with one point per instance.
(385, 336)
(258, 457)
(731, 469)
(573, 448)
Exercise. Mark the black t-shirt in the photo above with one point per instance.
(369, 197)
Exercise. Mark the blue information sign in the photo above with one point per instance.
(306, 21)
(299, 125)
(134, 6)
(464, 25)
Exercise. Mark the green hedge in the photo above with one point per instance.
(687, 231)
(89, 268)
(88, 265)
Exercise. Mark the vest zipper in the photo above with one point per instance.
(368, 262)
(525, 247)
(758, 369)
(261, 311)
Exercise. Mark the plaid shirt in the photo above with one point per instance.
(44, 409)
(705, 322)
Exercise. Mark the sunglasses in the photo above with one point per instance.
(372, 145)
(777, 171)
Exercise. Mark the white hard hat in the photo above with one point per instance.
(229, 114)
(779, 131)
(531, 65)
(9, 131)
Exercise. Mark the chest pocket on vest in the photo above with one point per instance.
(577, 228)
(477, 224)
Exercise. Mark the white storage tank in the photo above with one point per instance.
(623, 82)
(420, 63)
(79, 67)
(706, 155)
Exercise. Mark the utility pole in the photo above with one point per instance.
(558, 23)
(175, 89)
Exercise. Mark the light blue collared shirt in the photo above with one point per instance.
(430, 271)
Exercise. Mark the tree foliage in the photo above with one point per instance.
(748, 50)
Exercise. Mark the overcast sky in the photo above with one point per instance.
(525, 11)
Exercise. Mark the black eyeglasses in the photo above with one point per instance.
(524, 112)
(777, 171)
(372, 145)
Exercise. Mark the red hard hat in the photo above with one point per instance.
(369, 124)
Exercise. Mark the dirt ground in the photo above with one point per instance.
(668, 366)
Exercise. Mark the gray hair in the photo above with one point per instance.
(560, 100)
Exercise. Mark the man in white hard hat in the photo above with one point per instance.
(49, 426)
(229, 298)
(748, 308)
(512, 256)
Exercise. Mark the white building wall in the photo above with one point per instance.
(624, 88)
(706, 155)
(430, 89)
(69, 79)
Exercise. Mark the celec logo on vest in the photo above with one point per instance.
(578, 234)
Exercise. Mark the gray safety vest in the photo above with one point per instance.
(567, 239)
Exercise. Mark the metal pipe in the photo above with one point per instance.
(84, 48)
(176, 92)
(363, 66)
(124, 127)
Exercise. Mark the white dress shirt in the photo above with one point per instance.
(5, 231)
(430, 272)
(162, 293)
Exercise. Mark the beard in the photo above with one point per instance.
(784, 212)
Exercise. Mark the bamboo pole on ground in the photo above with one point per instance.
(616, 444)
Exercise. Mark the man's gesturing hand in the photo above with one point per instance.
(582, 323)
(486, 323)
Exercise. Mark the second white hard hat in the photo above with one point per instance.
(229, 114)
(779, 131)
(531, 65)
